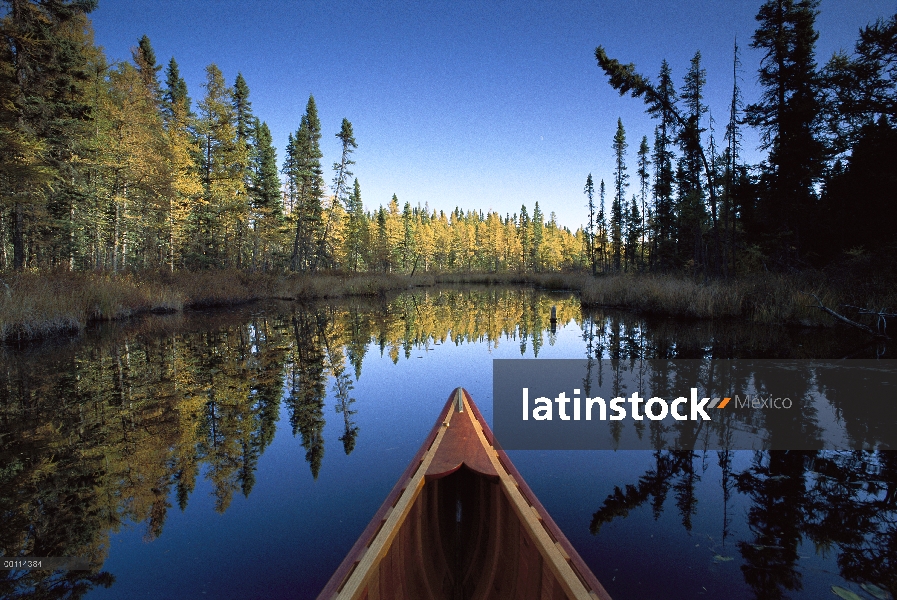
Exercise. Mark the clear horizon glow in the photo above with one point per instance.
(463, 104)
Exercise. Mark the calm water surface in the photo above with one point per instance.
(239, 453)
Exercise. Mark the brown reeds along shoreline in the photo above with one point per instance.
(34, 306)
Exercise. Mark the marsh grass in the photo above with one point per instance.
(38, 306)
(33, 306)
(766, 298)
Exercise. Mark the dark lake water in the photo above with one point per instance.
(239, 453)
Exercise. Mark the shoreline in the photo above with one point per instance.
(35, 306)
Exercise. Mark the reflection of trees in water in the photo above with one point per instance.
(342, 387)
(776, 486)
(119, 428)
(100, 435)
(307, 386)
(646, 337)
(854, 506)
(841, 502)
(672, 470)
(811, 416)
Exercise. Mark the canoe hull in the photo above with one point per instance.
(462, 524)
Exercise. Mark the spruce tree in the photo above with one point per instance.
(523, 232)
(242, 109)
(617, 218)
(602, 227)
(537, 237)
(266, 182)
(733, 148)
(291, 170)
(225, 214)
(644, 162)
(132, 148)
(356, 228)
(382, 247)
(183, 158)
(145, 59)
(691, 211)
(633, 230)
(788, 118)
(625, 79)
(307, 213)
(590, 231)
(265, 196)
(858, 199)
(664, 135)
(175, 91)
(408, 246)
(340, 191)
(244, 122)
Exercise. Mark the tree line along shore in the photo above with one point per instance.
(119, 194)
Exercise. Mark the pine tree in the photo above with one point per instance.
(340, 178)
(664, 134)
(356, 228)
(788, 117)
(620, 185)
(602, 227)
(691, 211)
(523, 233)
(267, 213)
(643, 175)
(537, 238)
(307, 212)
(590, 231)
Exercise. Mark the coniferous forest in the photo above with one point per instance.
(111, 167)
(825, 189)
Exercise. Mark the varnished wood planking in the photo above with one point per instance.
(506, 545)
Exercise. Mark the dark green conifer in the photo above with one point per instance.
(617, 217)
(788, 119)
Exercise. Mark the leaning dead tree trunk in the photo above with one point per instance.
(881, 333)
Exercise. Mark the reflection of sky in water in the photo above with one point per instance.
(288, 536)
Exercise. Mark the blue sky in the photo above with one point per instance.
(484, 105)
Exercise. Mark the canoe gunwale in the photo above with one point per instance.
(582, 571)
(342, 574)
